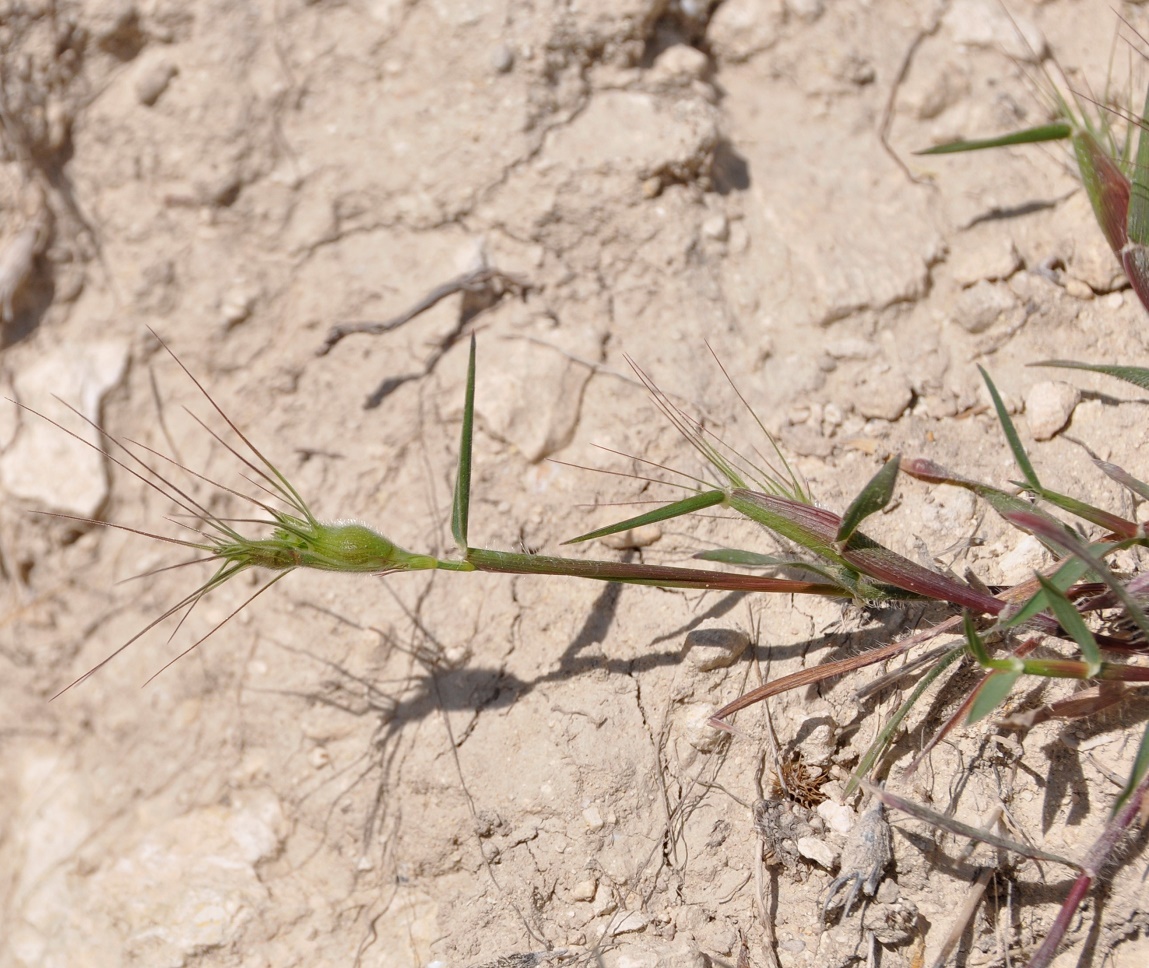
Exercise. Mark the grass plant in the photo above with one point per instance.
(1082, 619)
(283, 535)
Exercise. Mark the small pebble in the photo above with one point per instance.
(807, 10)
(630, 921)
(697, 729)
(584, 890)
(981, 305)
(708, 649)
(818, 851)
(631, 538)
(838, 816)
(716, 227)
(238, 303)
(1049, 407)
(885, 397)
(502, 59)
(152, 79)
(1077, 289)
(682, 63)
(1026, 557)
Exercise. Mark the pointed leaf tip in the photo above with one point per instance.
(1046, 132)
(872, 498)
(1011, 434)
(460, 507)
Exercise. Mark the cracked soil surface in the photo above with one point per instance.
(445, 769)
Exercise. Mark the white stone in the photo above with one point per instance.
(593, 817)
(716, 227)
(883, 396)
(680, 62)
(977, 308)
(1049, 407)
(699, 732)
(584, 890)
(838, 816)
(1019, 564)
(641, 537)
(714, 648)
(986, 23)
(818, 851)
(629, 921)
(152, 76)
(44, 464)
(739, 29)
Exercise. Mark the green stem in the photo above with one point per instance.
(638, 574)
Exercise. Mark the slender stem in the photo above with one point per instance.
(1095, 861)
(639, 574)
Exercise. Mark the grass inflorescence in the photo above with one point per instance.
(1005, 632)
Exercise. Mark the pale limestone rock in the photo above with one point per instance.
(584, 890)
(640, 537)
(987, 24)
(818, 851)
(977, 308)
(45, 465)
(540, 418)
(629, 131)
(1026, 557)
(708, 649)
(740, 29)
(694, 723)
(839, 817)
(1049, 407)
(885, 397)
(152, 77)
(679, 64)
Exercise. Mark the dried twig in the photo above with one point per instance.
(481, 289)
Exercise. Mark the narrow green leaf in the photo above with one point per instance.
(1011, 436)
(1071, 571)
(1073, 623)
(747, 559)
(1107, 188)
(1137, 375)
(871, 499)
(886, 736)
(1087, 512)
(751, 559)
(1138, 219)
(1068, 541)
(1046, 132)
(698, 502)
(973, 640)
(1137, 776)
(991, 693)
(955, 826)
(460, 507)
(1124, 478)
(814, 529)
